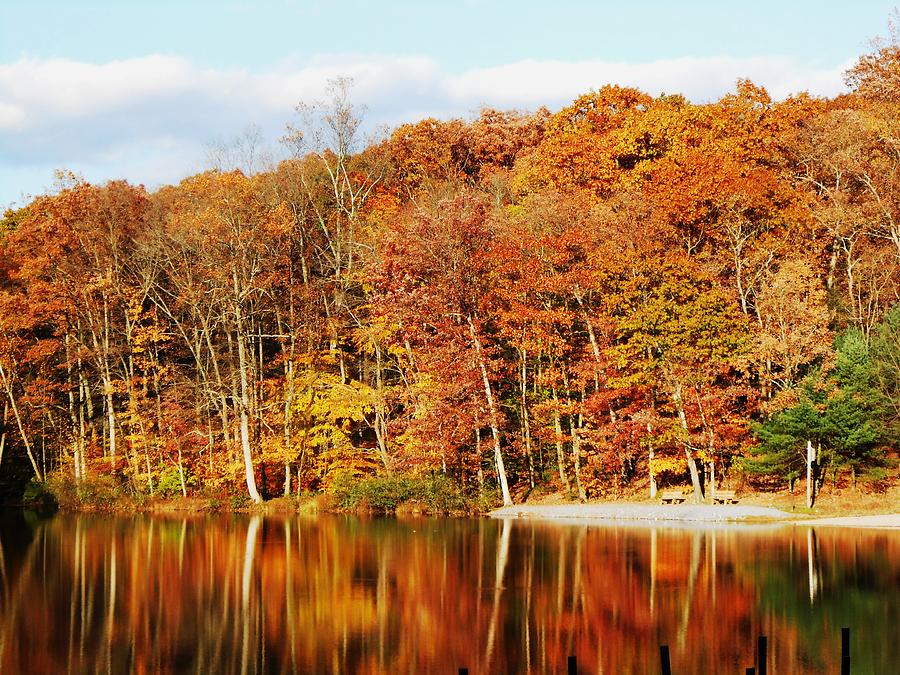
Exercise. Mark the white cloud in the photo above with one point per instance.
(148, 118)
(12, 117)
(63, 88)
(529, 83)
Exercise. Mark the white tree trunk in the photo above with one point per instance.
(495, 424)
(3, 436)
(245, 395)
(560, 457)
(691, 462)
(810, 486)
(12, 402)
(653, 487)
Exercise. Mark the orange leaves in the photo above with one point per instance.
(582, 143)
(435, 151)
(794, 318)
(620, 267)
(877, 75)
(429, 149)
(382, 206)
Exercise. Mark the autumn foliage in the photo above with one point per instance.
(621, 294)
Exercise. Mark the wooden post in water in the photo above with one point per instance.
(573, 666)
(761, 655)
(845, 651)
(664, 660)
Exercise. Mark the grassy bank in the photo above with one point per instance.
(401, 494)
(398, 494)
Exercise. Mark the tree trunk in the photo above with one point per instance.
(810, 478)
(110, 404)
(691, 462)
(223, 401)
(87, 417)
(381, 415)
(147, 464)
(101, 351)
(110, 419)
(478, 455)
(3, 436)
(526, 422)
(181, 473)
(653, 487)
(576, 458)
(76, 415)
(495, 422)
(560, 457)
(288, 402)
(574, 424)
(710, 448)
(244, 394)
(15, 408)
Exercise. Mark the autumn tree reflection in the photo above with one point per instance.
(340, 595)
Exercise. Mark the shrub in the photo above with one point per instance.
(38, 497)
(92, 493)
(239, 502)
(169, 484)
(436, 494)
(442, 495)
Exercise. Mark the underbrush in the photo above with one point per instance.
(437, 495)
(401, 494)
(94, 493)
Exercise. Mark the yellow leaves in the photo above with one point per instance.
(375, 334)
(674, 317)
(794, 316)
(101, 282)
(382, 207)
(675, 465)
(325, 414)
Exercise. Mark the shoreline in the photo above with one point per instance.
(637, 514)
(695, 514)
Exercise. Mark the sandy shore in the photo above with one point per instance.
(888, 521)
(686, 513)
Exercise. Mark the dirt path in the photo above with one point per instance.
(688, 513)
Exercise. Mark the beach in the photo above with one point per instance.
(688, 513)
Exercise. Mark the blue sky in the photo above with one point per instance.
(142, 89)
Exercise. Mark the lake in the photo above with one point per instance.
(331, 594)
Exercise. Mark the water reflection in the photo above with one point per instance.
(86, 594)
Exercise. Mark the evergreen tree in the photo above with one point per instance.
(855, 415)
(884, 352)
(783, 437)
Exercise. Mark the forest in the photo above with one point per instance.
(626, 294)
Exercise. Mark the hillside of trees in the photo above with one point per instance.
(625, 294)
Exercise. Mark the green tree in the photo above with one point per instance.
(836, 419)
(855, 415)
(884, 352)
(792, 438)
(678, 331)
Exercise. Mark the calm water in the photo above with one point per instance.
(224, 594)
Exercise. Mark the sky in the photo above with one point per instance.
(144, 89)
